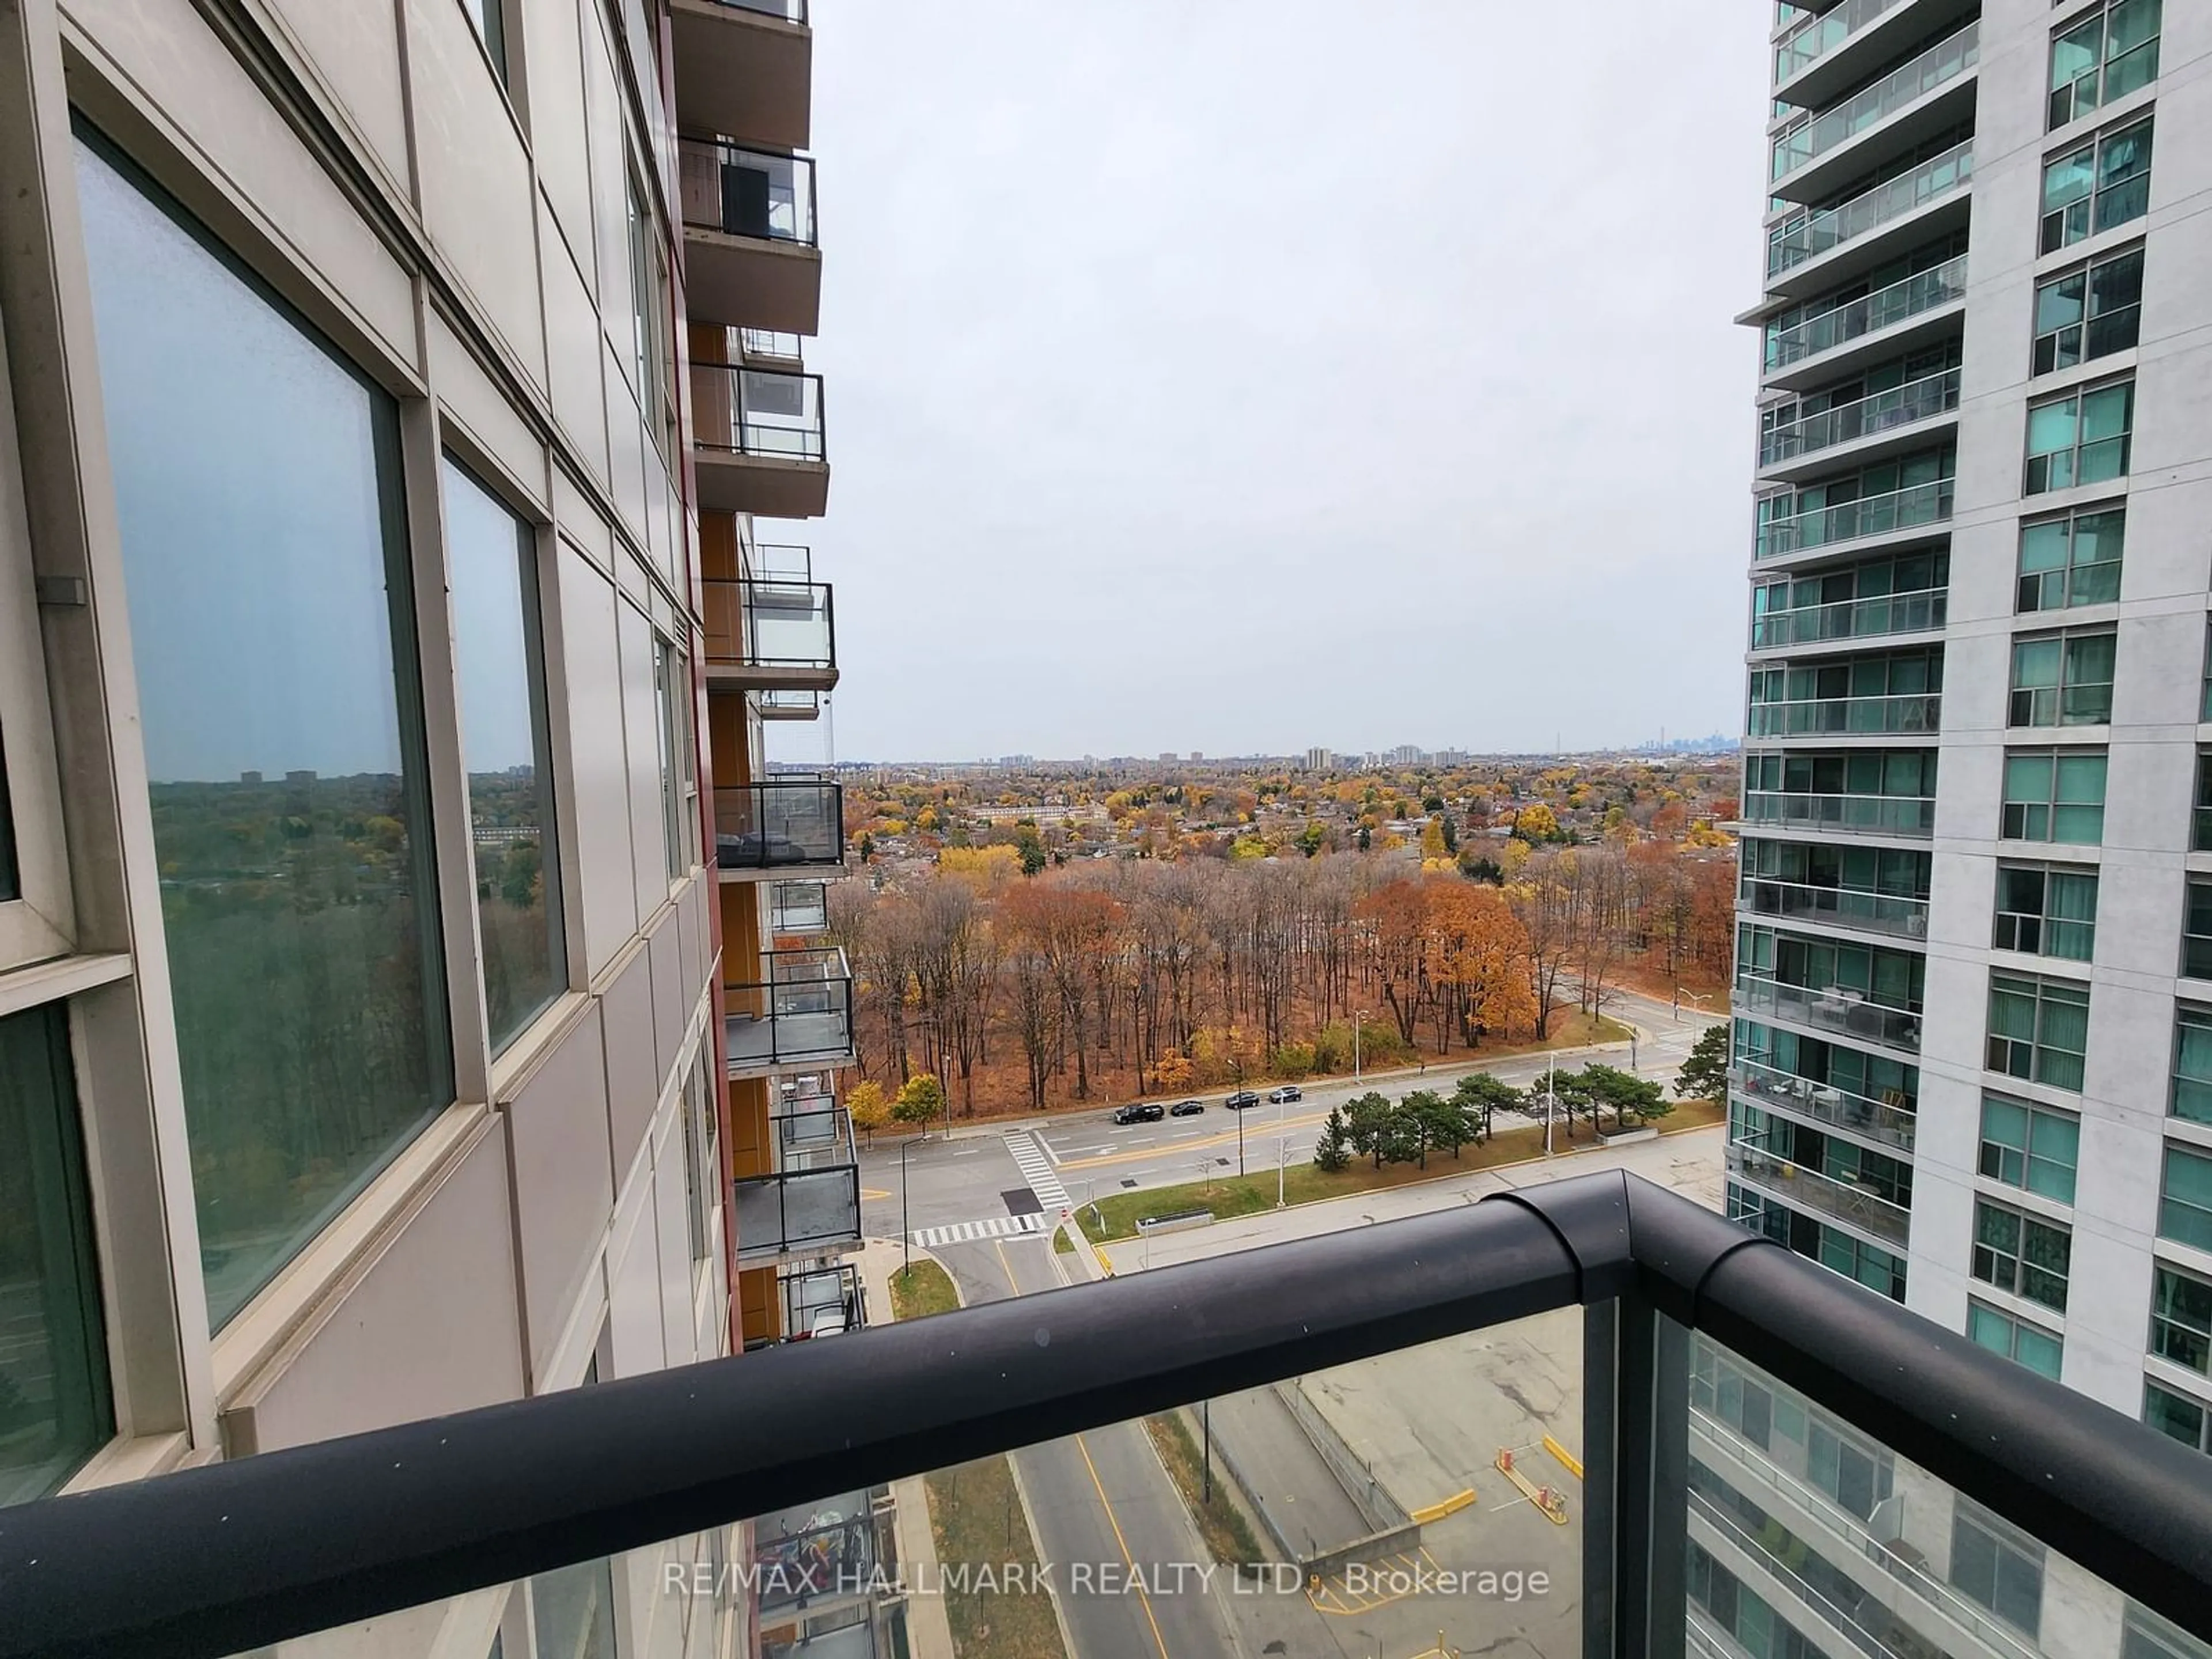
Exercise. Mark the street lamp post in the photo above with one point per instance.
(1239, 1066)
(905, 1216)
(1282, 1145)
(1358, 1020)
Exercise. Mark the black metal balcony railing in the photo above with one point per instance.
(775, 624)
(780, 823)
(746, 193)
(1828, 1105)
(796, 1210)
(1685, 1317)
(798, 907)
(803, 1012)
(818, 1301)
(761, 412)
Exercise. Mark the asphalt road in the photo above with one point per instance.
(1102, 1506)
(947, 1184)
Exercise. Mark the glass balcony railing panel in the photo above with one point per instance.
(1808, 1189)
(770, 343)
(769, 622)
(1917, 713)
(1770, 1089)
(816, 1557)
(793, 1210)
(811, 1139)
(779, 823)
(1900, 301)
(761, 412)
(798, 907)
(791, 11)
(1803, 236)
(1830, 1008)
(744, 192)
(1869, 515)
(821, 1301)
(804, 1013)
(1864, 417)
(1818, 35)
(1847, 906)
(1809, 139)
(1851, 619)
(1890, 815)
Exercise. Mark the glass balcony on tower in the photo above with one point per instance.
(1902, 500)
(1785, 1169)
(1908, 593)
(1815, 246)
(1799, 431)
(1816, 153)
(786, 823)
(797, 907)
(745, 68)
(750, 257)
(793, 1214)
(800, 1017)
(758, 441)
(1823, 53)
(820, 1301)
(1883, 314)
(772, 628)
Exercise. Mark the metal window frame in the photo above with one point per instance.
(238, 1555)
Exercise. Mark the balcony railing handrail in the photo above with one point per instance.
(1923, 290)
(1818, 1190)
(1890, 713)
(243, 1554)
(1886, 410)
(1904, 508)
(1804, 236)
(1834, 27)
(734, 424)
(1809, 624)
(799, 228)
(1867, 904)
(788, 602)
(1878, 807)
(1764, 1085)
(1806, 140)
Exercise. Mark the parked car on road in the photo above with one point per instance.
(1240, 1099)
(1141, 1113)
(1288, 1091)
(1187, 1109)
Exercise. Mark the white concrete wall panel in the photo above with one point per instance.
(476, 197)
(634, 1074)
(672, 1225)
(563, 1179)
(671, 998)
(640, 724)
(473, 403)
(355, 51)
(634, 1280)
(592, 669)
(577, 364)
(427, 1325)
(555, 50)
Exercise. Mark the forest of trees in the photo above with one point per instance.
(1111, 978)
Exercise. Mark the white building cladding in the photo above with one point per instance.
(1973, 1030)
(359, 1049)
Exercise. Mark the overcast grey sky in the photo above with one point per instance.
(1242, 375)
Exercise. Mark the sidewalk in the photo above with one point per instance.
(929, 1631)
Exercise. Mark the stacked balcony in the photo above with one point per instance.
(799, 1018)
(1889, 694)
(798, 910)
(1886, 793)
(1869, 889)
(772, 629)
(786, 824)
(745, 68)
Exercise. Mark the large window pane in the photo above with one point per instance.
(257, 481)
(492, 566)
(54, 1403)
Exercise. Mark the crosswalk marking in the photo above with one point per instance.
(1037, 1169)
(963, 1232)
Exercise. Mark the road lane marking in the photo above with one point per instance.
(1258, 1129)
(967, 1232)
(1037, 1169)
(1143, 1596)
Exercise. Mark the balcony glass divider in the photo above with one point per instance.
(1867, 515)
(1863, 417)
(1800, 237)
(1885, 308)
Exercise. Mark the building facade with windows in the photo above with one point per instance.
(383, 633)
(1974, 1023)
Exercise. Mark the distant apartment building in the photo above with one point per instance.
(1319, 760)
(1972, 1055)
(382, 625)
